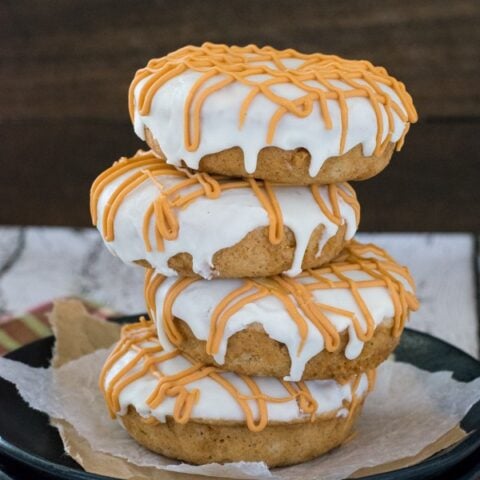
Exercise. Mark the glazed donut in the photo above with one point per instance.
(180, 222)
(277, 115)
(200, 414)
(331, 322)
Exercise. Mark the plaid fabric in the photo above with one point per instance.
(17, 331)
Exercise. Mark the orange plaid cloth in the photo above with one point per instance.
(16, 331)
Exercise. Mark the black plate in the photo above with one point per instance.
(26, 435)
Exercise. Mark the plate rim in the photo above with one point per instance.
(468, 445)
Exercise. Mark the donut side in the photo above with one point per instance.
(256, 256)
(279, 444)
(290, 166)
(252, 352)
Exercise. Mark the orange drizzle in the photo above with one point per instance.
(149, 356)
(298, 299)
(146, 167)
(167, 315)
(270, 203)
(221, 65)
(335, 192)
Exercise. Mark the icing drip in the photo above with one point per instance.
(169, 208)
(356, 292)
(158, 384)
(263, 96)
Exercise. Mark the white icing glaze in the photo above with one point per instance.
(209, 225)
(216, 403)
(196, 303)
(220, 122)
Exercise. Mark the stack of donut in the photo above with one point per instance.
(267, 319)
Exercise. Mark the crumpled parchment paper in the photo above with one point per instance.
(410, 415)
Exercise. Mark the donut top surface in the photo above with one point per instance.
(355, 293)
(158, 384)
(147, 209)
(201, 100)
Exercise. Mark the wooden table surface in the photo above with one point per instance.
(40, 264)
(66, 67)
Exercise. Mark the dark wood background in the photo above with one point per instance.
(66, 66)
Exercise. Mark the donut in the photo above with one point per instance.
(195, 224)
(332, 322)
(200, 414)
(277, 115)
